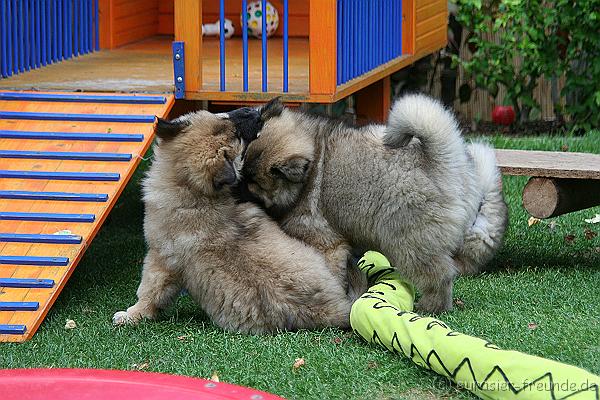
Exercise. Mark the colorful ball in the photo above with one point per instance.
(254, 14)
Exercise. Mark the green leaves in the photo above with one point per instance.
(531, 39)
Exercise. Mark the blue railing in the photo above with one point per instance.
(369, 34)
(35, 33)
(264, 55)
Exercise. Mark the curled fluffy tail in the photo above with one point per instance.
(484, 237)
(425, 118)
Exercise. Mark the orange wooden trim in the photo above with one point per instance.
(323, 50)
(105, 11)
(408, 26)
(188, 29)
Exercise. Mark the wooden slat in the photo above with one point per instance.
(549, 164)
(188, 29)
(85, 228)
(323, 46)
(408, 26)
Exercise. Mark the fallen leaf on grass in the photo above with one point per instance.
(298, 363)
(215, 376)
(569, 238)
(458, 303)
(590, 234)
(564, 147)
(532, 221)
(552, 225)
(141, 366)
(594, 220)
(337, 340)
(184, 338)
(372, 365)
(532, 326)
(70, 324)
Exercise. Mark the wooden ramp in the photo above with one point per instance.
(64, 160)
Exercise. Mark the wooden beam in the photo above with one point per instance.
(550, 197)
(551, 164)
(105, 14)
(373, 102)
(408, 26)
(323, 46)
(188, 29)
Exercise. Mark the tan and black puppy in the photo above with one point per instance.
(238, 265)
(411, 189)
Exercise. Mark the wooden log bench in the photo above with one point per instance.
(560, 182)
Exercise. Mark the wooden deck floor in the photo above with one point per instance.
(146, 67)
(87, 230)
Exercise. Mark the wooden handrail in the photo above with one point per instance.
(188, 29)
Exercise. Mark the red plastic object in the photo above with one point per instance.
(98, 384)
(503, 115)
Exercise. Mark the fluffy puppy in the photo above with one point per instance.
(409, 189)
(236, 263)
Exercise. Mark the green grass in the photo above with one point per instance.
(539, 278)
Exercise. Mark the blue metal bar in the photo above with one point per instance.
(245, 43)
(64, 155)
(27, 283)
(26, 35)
(85, 25)
(38, 34)
(286, 46)
(80, 136)
(96, 26)
(78, 98)
(47, 32)
(68, 6)
(77, 117)
(222, 43)
(43, 33)
(339, 34)
(76, 28)
(30, 260)
(399, 27)
(45, 217)
(19, 305)
(54, 196)
(347, 47)
(21, 49)
(264, 46)
(12, 329)
(54, 32)
(34, 238)
(60, 33)
(62, 176)
(4, 35)
(15, 38)
(81, 25)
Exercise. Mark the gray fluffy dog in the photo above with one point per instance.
(412, 190)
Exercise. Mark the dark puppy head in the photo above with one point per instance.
(277, 163)
(205, 149)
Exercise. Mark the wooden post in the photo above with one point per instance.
(372, 103)
(188, 29)
(550, 197)
(323, 46)
(408, 26)
(105, 16)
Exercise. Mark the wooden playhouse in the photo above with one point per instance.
(83, 79)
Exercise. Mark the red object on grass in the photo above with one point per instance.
(503, 115)
(99, 384)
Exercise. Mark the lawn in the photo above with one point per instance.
(541, 298)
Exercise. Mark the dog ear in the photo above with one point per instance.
(294, 169)
(272, 109)
(226, 176)
(167, 130)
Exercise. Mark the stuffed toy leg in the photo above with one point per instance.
(384, 316)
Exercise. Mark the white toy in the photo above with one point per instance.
(254, 18)
(215, 29)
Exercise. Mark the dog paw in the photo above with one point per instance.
(122, 318)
